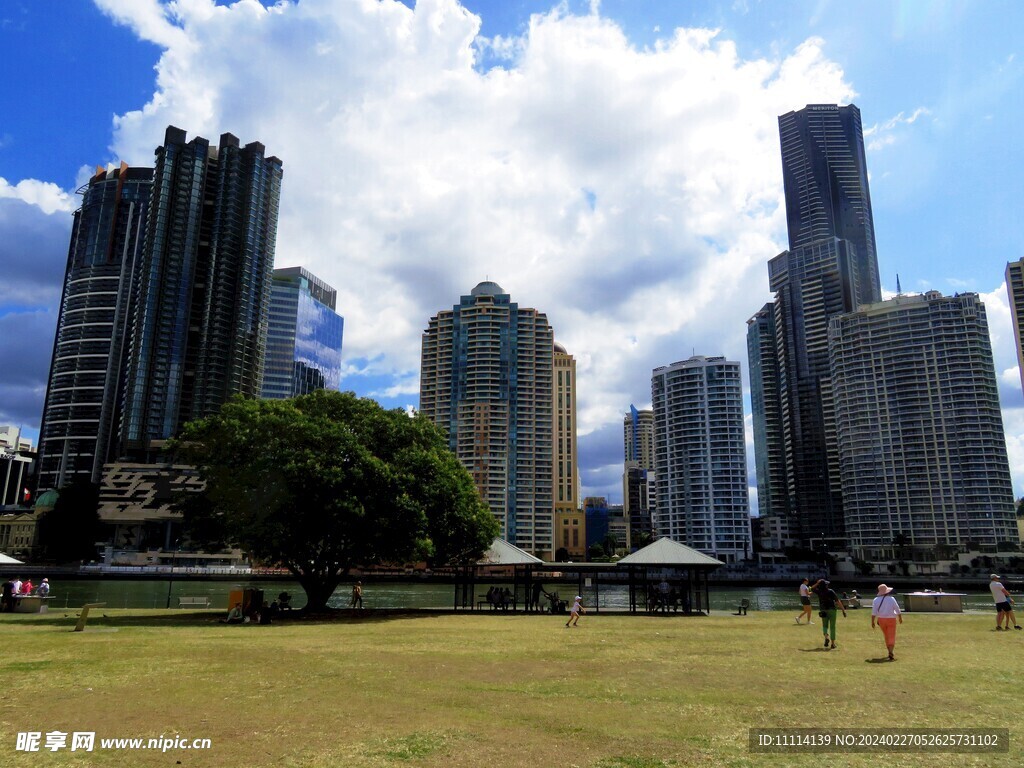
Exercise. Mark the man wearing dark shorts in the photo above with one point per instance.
(1004, 604)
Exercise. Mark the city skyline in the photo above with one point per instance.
(579, 159)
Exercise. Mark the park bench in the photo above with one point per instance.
(193, 602)
(741, 609)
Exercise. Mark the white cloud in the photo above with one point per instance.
(881, 135)
(631, 194)
(49, 198)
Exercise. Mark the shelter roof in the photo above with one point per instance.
(503, 553)
(8, 560)
(665, 551)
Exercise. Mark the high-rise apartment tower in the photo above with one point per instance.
(919, 428)
(200, 326)
(700, 456)
(82, 410)
(486, 380)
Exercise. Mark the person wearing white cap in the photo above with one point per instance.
(1004, 604)
(574, 614)
(885, 612)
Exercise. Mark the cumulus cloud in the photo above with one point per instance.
(631, 194)
(884, 134)
(33, 247)
(26, 342)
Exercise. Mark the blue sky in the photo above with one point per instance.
(605, 163)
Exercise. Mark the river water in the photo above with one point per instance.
(155, 594)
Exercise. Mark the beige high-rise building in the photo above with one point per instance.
(1015, 289)
(486, 380)
(570, 523)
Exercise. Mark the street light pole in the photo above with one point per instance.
(174, 559)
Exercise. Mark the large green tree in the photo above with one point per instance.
(70, 530)
(328, 481)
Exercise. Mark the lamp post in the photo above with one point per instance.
(174, 559)
(824, 554)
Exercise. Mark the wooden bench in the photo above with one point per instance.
(193, 602)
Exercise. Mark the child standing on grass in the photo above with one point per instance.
(574, 614)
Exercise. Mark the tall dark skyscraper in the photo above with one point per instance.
(82, 408)
(200, 326)
(826, 182)
(830, 269)
(304, 336)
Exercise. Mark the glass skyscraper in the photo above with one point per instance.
(304, 336)
(81, 414)
(200, 324)
(830, 269)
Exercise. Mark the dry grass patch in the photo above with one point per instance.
(486, 690)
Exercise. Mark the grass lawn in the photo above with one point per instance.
(494, 691)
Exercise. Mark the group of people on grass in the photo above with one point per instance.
(256, 614)
(885, 610)
(14, 588)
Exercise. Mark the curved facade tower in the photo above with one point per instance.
(86, 386)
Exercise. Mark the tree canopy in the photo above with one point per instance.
(328, 481)
(70, 530)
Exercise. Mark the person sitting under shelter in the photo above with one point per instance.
(234, 615)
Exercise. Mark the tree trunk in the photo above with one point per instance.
(318, 589)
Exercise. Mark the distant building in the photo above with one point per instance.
(596, 510)
(16, 457)
(82, 409)
(11, 439)
(571, 534)
(700, 456)
(919, 428)
(304, 336)
(200, 331)
(1015, 289)
(486, 380)
(638, 491)
(769, 435)
(639, 504)
(565, 467)
(638, 437)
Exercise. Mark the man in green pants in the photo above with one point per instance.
(828, 604)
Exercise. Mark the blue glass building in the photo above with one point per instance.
(304, 336)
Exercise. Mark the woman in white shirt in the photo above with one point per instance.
(885, 611)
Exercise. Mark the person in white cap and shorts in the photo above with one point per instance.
(574, 614)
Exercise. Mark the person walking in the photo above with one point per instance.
(357, 595)
(829, 604)
(805, 602)
(1004, 604)
(574, 614)
(885, 613)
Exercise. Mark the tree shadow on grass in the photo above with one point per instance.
(67, 618)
